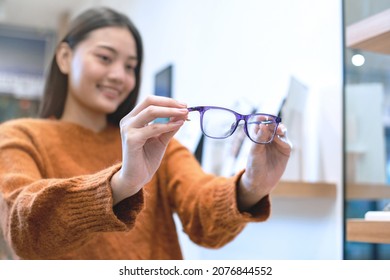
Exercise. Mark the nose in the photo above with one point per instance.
(117, 73)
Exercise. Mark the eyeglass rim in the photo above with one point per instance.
(239, 117)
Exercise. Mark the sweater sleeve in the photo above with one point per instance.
(205, 203)
(45, 218)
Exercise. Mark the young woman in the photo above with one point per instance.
(95, 178)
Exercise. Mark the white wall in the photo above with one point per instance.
(226, 50)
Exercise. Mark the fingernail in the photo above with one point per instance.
(179, 122)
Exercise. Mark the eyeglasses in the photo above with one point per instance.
(220, 123)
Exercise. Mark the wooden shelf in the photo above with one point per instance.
(370, 34)
(305, 190)
(360, 230)
(366, 191)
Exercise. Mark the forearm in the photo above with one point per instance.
(248, 195)
(121, 190)
(206, 204)
(48, 218)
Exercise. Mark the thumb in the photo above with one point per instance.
(166, 137)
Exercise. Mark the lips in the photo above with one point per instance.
(109, 91)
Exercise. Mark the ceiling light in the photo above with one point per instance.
(358, 59)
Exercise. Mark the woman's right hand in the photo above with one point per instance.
(144, 142)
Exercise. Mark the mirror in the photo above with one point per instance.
(367, 128)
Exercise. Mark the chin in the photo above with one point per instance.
(108, 107)
(110, 111)
(106, 110)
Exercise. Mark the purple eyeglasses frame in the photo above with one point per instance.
(239, 117)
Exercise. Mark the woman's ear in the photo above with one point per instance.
(63, 57)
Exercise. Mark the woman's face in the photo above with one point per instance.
(102, 70)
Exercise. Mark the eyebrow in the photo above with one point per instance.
(111, 49)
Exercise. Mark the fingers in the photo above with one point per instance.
(175, 124)
(152, 113)
(281, 131)
(139, 126)
(282, 138)
(167, 136)
(158, 101)
(158, 129)
(156, 107)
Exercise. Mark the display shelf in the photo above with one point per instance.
(301, 189)
(370, 34)
(367, 191)
(360, 230)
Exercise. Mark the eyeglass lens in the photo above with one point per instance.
(261, 128)
(219, 123)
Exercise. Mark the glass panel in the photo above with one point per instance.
(367, 127)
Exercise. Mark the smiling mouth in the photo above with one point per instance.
(109, 92)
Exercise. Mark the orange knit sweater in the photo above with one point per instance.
(56, 200)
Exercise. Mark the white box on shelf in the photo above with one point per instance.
(377, 216)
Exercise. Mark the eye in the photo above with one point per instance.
(130, 68)
(104, 58)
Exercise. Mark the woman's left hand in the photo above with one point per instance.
(265, 166)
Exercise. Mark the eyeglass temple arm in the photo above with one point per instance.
(197, 108)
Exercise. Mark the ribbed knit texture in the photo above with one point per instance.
(56, 199)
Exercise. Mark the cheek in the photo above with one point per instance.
(130, 83)
(82, 73)
(75, 75)
(79, 75)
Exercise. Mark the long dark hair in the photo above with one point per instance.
(56, 87)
